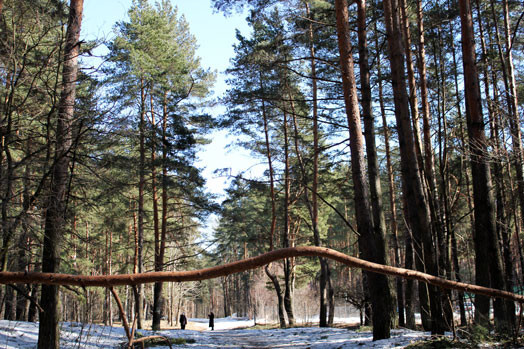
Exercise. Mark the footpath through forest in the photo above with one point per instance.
(15, 335)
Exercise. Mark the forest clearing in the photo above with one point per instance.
(229, 334)
(380, 204)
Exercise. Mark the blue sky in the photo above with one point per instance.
(215, 35)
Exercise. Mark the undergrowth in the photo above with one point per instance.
(440, 343)
(474, 336)
(161, 342)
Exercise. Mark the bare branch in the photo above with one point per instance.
(247, 264)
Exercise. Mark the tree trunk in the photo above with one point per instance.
(391, 189)
(442, 224)
(371, 244)
(32, 312)
(412, 86)
(139, 291)
(410, 285)
(157, 289)
(508, 75)
(437, 216)
(487, 255)
(55, 221)
(454, 247)
(419, 215)
(10, 304)
(108, 309)
(272, 277)
(161, 244)
(278, 290)
(288, 304)
(325, 281)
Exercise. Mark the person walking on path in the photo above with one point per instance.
(211, 317)
(183, 321)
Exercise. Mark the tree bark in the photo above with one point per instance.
(454, 247)
(271, 276)
(325, 282)
(139, 293)
(391, 189)
(288, 268)
(487, 255)
(371, 244)
(280, 299)
(159, 256)
(508, 75)
(412, 86)
(157, 289)
(419, 215)
(55, 221)
(438, 217)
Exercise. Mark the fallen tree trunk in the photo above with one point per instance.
(243, 265)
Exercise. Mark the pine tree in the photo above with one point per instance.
(156, 52)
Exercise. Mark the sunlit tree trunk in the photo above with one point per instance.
(325, 283)
(508, 76)
(159, 257)
(392, 203)
(272, 277)
(438, 215)
(371, 244)
(288, 269)
(412, 86)
(418, 210)
(55, 221)
(108, 305)
(139, 290)
(157, 288)
(454, 247)
(487, 255)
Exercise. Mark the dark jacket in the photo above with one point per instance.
(183, 319)
(211, 317)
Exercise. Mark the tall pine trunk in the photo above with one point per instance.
(139, 289)
(371, 244)
(288, 268)
(392, 196)
(161, 244)
(454, 247)
(55, 221)
(488, 267)
(272, 277)
(326, 291)
(157, 288)
(508, 75)
(417, 207)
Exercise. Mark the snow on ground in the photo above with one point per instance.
(15, 334)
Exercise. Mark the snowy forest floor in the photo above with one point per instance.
(228, 333)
